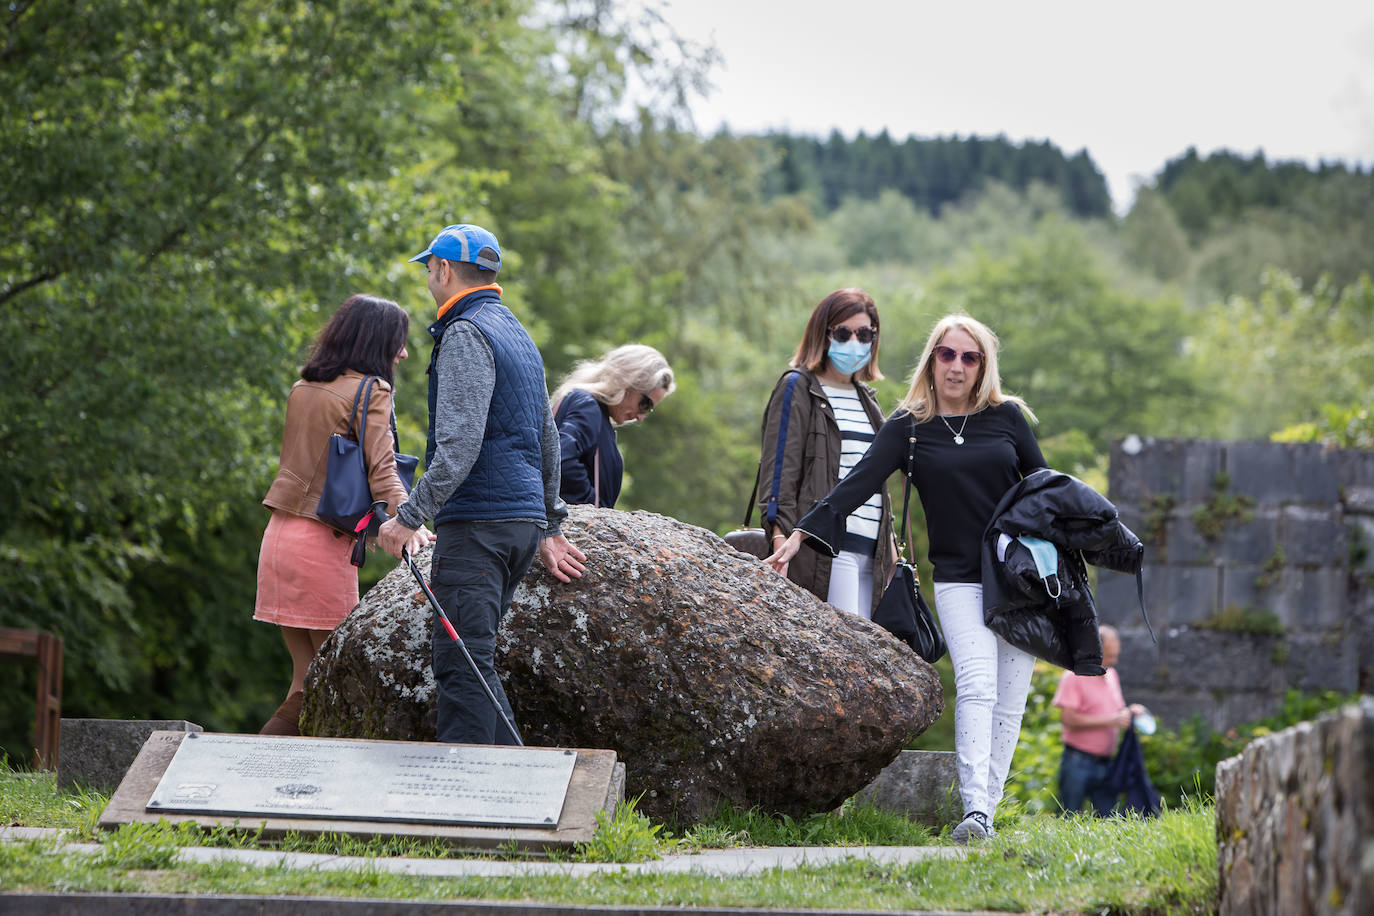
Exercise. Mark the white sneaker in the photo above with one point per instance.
(973, 827)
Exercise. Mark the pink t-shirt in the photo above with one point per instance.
(1091, 696)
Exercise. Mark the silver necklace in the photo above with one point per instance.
(959, 436)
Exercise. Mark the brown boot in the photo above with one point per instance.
(287, 719)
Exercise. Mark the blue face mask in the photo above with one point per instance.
(849, 357)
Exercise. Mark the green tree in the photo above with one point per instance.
(1340, 427)
(707, 289)
(1084, 355)
(1152, 237)
(1277, 359)
(884, 229)
(194, 186)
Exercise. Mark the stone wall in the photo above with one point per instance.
(1258, 574)
(1295, 819)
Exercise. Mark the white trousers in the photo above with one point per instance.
(991, 681)
(851, 583)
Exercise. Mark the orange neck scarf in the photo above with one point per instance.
(461, 293)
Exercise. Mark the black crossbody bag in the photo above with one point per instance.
(903, 611)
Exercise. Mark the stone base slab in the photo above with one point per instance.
(96, 753)
(593, 787)
(923, 785)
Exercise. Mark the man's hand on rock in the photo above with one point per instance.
(561, 558)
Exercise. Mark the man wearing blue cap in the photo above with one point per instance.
(491, 476)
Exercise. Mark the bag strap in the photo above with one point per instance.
(772, 513)
(753, 495)
(1140, 594)
(362, 426)
(395, 437)
(906, 491)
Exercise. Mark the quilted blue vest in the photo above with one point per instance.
(507, 481)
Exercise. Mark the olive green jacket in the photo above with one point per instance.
(810, 469)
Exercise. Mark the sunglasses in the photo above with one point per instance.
(863, 335)
(646, 404)
(969, 358)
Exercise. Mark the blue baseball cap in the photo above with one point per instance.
(463, 242)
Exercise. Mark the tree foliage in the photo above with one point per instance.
(1218, 188)
(931, 173)
(1280, 358)
(190, 200)
(1244, 215)
(1084, 355)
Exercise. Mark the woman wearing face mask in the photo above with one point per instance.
(818, 424)
(970, 443)
(623, 386)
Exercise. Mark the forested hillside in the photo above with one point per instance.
(931, 173)
(193, 187)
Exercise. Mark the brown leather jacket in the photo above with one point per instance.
(810, 470)
(314, 412)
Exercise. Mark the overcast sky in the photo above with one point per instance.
(1134, 83)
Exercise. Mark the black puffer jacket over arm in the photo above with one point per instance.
(1085, 528)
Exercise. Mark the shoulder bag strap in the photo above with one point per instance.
(906, 491)
(753, 495)
(772, 513)
(1140, 593)
(366, 399)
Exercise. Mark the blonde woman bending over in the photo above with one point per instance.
(622, 387)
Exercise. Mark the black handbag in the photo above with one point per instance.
(903, 611)
(755, 541)
(405, 464)
(347, 495)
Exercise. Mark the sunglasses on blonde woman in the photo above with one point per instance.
(969, 358)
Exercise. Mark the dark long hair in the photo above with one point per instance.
(841, 305)
(364, 335)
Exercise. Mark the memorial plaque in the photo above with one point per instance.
(597, 783)
(365, 780)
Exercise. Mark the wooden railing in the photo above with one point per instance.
(46, 650)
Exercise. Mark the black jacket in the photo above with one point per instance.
(1127, 775)
(1084, 526)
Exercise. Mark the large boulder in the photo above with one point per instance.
(371, 678)
(714, 679)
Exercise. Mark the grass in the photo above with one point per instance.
(852, 825)
(31, 799)
(1035, 863)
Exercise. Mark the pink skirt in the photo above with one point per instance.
(305, 579)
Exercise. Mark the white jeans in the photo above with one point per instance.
(851, 583)
(991, 681)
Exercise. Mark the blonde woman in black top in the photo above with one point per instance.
(973, 443)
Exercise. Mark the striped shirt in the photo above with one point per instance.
(856, 432)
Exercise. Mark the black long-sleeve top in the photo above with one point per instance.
(959, 485)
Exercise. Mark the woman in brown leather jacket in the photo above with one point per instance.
(306, 584)
(820, 429)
